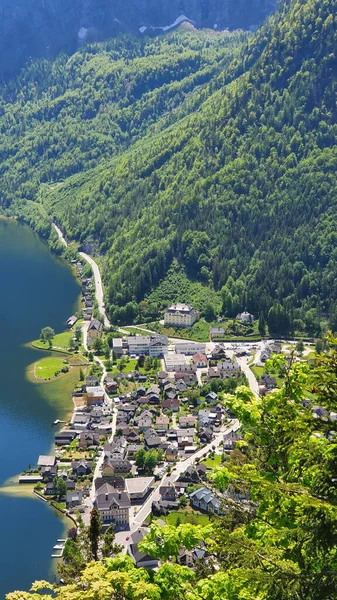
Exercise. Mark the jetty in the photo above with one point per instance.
(59, 546)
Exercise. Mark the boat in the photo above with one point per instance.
(57, 422)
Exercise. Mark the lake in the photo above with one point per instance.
(36, 289)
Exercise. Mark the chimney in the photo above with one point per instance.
(119, 496)
(106, 497)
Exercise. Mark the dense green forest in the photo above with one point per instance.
(208, 149)
(277, 538)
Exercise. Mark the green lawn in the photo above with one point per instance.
(212, 462)
(128, 366)
(57, 392)
(258, 371)
(47, 367)
(194, 518)
(200, 331)
(61, 341)
(137, 331)
(78, 359)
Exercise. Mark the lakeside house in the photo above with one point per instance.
(95, 395)
(71, 321)
(64, 437)
(113, 506)
(95, 331)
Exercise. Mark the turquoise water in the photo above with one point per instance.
(36, 290)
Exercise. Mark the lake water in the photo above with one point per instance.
(36, 290)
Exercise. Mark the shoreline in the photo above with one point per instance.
(99, 290)
(51, 403)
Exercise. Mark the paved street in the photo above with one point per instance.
(97, 472)
(253, 383)
(96, 273)
(60, 235)
(98, 286)
(139, 517)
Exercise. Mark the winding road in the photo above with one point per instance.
(99, 293)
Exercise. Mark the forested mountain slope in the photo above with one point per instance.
(237, 182)
(243, 191)
(64, 117)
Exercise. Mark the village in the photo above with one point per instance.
(145, 434)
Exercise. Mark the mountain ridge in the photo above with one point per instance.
(239, 188)
(43, 28)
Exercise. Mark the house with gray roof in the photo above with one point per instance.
(73, 498)
(94, 330)
(141, 559)
(113, 506)
(204, 500)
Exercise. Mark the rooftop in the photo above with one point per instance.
(175, 359)
(46, 461)
(184, 308)
(96, 390)
(138, 484)
(95, 324)
(138, 339)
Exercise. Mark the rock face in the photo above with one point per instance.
(31, 28)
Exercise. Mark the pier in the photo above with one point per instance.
(59, 546)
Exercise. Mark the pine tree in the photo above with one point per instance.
(262, 324)
(94, 532)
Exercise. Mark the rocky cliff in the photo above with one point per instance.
(45, 27)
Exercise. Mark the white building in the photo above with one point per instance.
(199, 360)
(227, 368)
(190, 348)
(158, 346)
(138, 487)
(180, 315)
(117, 346)
(245, 317)
(217, 333)
(179, 363)
(138, 344)
(113, 506)
(154, 346)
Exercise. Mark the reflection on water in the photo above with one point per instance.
(36, 290)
